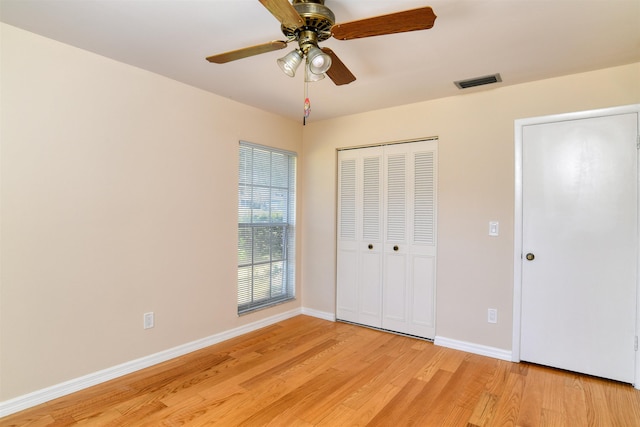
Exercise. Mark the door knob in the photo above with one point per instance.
(395, 248)
(530, 256)
(370, 246)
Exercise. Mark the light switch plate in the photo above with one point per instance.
(494, 228)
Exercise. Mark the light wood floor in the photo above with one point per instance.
(310, 372)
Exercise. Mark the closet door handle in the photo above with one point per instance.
(370, 246)
(395, 248)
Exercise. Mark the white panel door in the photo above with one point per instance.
(579, 245)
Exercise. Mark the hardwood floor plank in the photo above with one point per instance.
(429, 398)
(263, 389)
(249, 367)
(457, 417)
(399, 406)
(347, 355)
(62, 422)
(574, 405)
(221, 377)
(34, 420)
(597, 408)
(530, 413)
(345, 415)
(90, 402)
(182, 413)
(311, 372)
(267, 391)
(139, 414)
(480, 369)
(302, 396)
(447, 399)
(484, 410)
(553, 395)
(452, 360)
(248, 343)
(315, 412)
(551, 418)
(509, 402)
(338, 413)
(498, 381)
(618, 404)
(109, 416)
(391, 376)
(433, 364)
(181, 370)
(287, 364)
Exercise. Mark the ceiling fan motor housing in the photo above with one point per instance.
(318, 19)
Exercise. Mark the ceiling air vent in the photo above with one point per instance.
(478, 81)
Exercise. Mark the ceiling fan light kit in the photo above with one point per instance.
(309, 22)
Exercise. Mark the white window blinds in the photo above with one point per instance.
(266, 227)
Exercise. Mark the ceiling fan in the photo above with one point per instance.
(309, 22)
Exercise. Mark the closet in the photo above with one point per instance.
(386, 237)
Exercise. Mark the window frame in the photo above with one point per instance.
(266, 227)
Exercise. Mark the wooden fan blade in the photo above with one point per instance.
(247, 51)
(338, 72)
(284, 12)
(409, 20)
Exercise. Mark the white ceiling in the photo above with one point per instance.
(523, 40)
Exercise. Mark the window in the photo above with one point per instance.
(266, 227)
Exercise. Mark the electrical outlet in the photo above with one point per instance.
(148, 320)
(492, 315)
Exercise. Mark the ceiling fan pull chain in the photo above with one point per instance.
(307, 103)
(307, 109)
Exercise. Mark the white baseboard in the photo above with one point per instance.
(319, 314)
(483, 350)
(46, 394)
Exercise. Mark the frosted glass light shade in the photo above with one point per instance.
(319, 62)
(311, 77)
(290, 62)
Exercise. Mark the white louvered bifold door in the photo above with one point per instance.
(359, 268)
(410, 244)
(387, 203)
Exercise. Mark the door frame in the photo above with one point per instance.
(518, 223)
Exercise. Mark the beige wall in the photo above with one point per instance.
(476, 185)
(118, 198)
